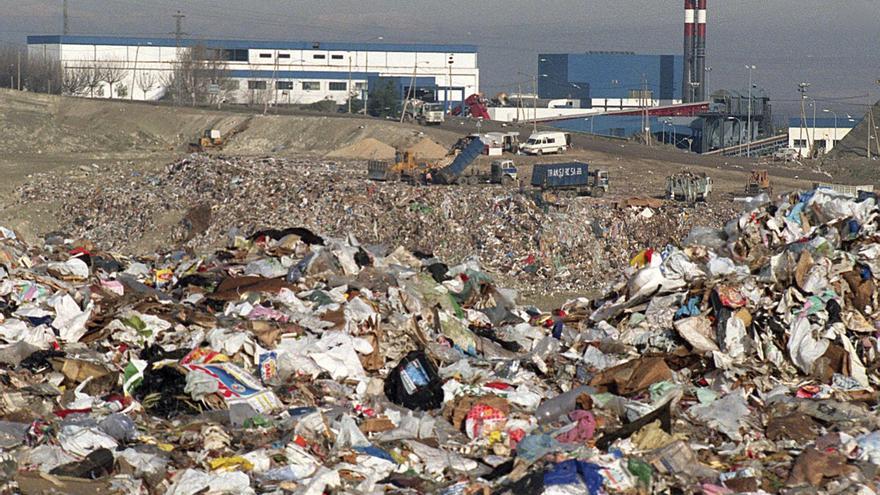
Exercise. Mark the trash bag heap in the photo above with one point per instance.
(740, 360)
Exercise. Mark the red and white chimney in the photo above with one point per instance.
(689, 62)
(700, 91)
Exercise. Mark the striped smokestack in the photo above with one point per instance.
(700, 57)
(690, 32)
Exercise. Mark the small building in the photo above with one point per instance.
(611, 81)
(274, 72)
(819, 136)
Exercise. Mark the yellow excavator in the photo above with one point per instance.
(405, 168)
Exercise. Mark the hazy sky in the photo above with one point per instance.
(834, 45)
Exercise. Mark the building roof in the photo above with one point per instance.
(824, 122)
(248, 44)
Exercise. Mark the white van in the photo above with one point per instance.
(540, 143)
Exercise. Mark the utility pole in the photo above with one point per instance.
(18, 52)
(66, 25)
(349, 82)
(410, 90)
(802, 89)
(178, 32)
(367, 77)
(518, 101)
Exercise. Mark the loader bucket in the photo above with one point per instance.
(377, 170)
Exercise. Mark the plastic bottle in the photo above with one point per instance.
(553, 409)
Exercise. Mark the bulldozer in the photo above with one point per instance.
(405, 168)
(211, 139)
(759, 182)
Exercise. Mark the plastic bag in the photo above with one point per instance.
(414, 383)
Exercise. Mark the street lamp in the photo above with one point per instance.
(591, 124)
(813, 139)
(672, 127)
(749, 140)
(834, 140)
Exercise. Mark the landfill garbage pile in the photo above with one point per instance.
(573, 245)
(743, 360)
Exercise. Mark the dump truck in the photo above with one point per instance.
(759, 182)
(455, 172)
(424, 113)
(688, 187)
(571, 178)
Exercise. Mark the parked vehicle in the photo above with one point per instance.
(571, 177)
(424, 113)
(786, 154)
(541, 143)
(508, 141)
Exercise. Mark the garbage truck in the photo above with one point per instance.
(573, 178)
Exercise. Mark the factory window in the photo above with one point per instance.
(283, 55)
(231, 85)
(235, 55)
(800, 143)
(284, 85)
(265, 55)
(257, 85)
(337, 57)
(319, 56)
(360, 85)
(311, 86)
(338, 86)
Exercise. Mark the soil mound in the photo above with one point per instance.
(365, 149)
(428, 149)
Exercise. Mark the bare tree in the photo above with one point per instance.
(111, 72)
(146, 81)
(74, 80)
(42, 75)
(93, 78)
(196, 71)
(9, 62)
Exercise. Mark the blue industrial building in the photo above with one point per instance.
(612, 79)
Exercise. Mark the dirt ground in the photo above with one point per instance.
(74, 137)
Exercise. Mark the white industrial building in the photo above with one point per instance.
(820, 135)
(277, 72)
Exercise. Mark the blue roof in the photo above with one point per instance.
(249, 44)
(825, 122)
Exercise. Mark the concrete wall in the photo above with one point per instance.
(801, 139)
